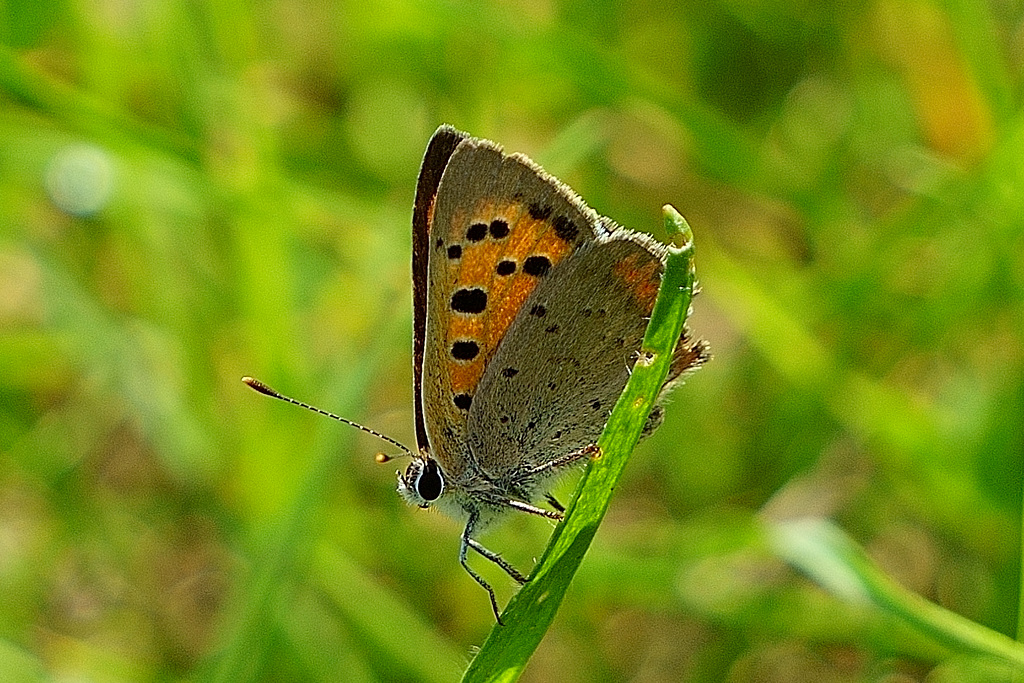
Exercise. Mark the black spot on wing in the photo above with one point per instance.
(476, 232)
(566, 229)
(465, 350)
(538, 266)
(469, 300)
(499, 229)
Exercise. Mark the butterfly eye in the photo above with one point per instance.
(430, 483)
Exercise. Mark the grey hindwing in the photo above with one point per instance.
(557, 374)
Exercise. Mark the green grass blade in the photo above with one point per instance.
(85, 113)
(531, 611)
(383, 619)
(826, 554)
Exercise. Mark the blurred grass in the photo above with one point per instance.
(190, 192)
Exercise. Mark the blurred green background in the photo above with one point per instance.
(193, 191)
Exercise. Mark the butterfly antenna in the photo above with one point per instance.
(262, 388)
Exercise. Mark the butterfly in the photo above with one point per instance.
(529, 310)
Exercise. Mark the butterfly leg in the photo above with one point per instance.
(469, 542)
(586, 452)
(532, 509)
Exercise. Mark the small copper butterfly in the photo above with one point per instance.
(529, 312)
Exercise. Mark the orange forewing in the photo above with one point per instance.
(528, 236)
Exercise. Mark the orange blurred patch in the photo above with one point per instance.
(950, 103)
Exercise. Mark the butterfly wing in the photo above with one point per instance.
(439, 150)
(499, 227)
(551, 383)
(536, 307)
(558, 373)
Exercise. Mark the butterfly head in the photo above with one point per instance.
(422, 483)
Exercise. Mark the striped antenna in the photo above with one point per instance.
(262, 388)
